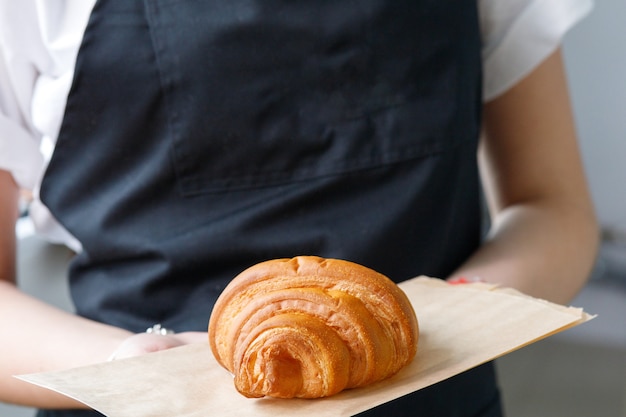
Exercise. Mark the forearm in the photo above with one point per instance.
(544, 235)
(38, 337)
(541, 248)
(35, 336)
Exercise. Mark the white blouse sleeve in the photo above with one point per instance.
(520, 34)
(19, 143)
(39, 40)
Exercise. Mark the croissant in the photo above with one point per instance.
(310, 327)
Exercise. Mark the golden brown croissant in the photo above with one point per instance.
(309, 327)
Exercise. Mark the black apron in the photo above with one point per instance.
(203, 136)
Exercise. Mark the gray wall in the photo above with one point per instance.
(595, 53)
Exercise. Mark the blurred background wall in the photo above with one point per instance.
(595, 53)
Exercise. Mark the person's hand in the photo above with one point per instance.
(142, 343)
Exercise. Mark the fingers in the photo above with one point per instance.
(464, 280)
(142, 343)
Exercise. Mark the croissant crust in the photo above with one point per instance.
(310, 327)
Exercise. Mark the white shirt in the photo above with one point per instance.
(39, 41)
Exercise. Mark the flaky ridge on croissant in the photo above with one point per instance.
(310, 327)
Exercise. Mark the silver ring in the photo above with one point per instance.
(158, 329)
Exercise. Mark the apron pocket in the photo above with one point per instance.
(259, 96)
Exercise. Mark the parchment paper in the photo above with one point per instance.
(461, 327)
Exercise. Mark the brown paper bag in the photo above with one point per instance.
(461, 327)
